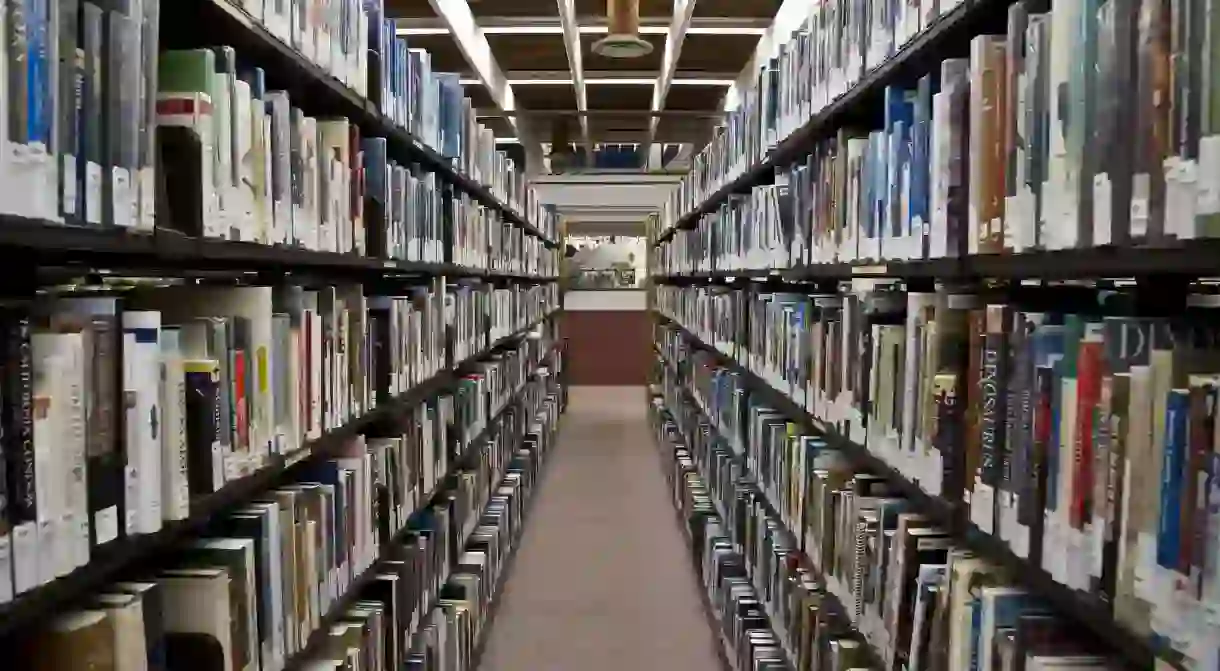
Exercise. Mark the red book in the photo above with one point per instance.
(1088, 397)
(240, 402)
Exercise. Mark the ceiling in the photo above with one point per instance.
(529, 43)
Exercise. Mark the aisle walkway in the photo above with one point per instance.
(602, 580)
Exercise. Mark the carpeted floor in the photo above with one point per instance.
(602, 580)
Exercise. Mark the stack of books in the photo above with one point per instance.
(350, 565)
(1037, 412)
(104, 128)
(846, 562)
(1008, 150)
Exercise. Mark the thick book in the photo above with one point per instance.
(198, 635)
(185, 142)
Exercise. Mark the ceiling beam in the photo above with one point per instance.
(702, 114)
(595, 25)
(681, 77)
(460, 22)
(683, 11)
(571, 43)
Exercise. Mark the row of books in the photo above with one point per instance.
(491, 384)
(1037, 413)
(324, 569)
(483, 314)
(833, 545)
(980, 157)
(190, 141)
(215, 383)
(744, 632)
(838, 44)
(402, 85)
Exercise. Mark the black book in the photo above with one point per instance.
(205, 460)
(18, 97)
(17, 441)
(116, 181)
(180, 200)
(146, 109)
(71, 76)
(91, 157)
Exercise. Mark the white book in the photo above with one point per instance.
(237, 556)
(196, 601)
(279, 150)
(175, 490)
(76, 521)
(141, 390)
(245, 226)
(126, 615)
(271, 234)
(308, 227)
(222, 170)
(53, 557)
(314, 347)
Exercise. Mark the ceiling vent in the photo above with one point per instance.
(624, 38)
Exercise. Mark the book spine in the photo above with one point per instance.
(71, 74)
(1168, 542)
(175, 483)
(205, 457)
(116, 174)
(92, 153)
(1088, 394)
(141, 366)
(19, 449)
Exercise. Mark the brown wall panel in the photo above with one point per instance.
(607, 347)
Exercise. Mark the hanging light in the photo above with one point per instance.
(624, 40)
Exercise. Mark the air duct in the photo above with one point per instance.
(624, 38)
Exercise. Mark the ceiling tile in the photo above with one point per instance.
(514, 8)
(688, 97)
(592, 61)
(618, 96)
(479, 97)
(648, 8)
(444, 52)
(726, 54)
(759, 9)
(499, 126)
(408, 9)
(684, 129)
(545, 97)
(528, 52)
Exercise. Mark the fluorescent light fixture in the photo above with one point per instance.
(507, 140)
(625, 80)
(702, 82)
(469, 82)
(421, 31)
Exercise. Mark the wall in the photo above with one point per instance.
(609, 337)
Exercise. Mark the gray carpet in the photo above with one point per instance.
(602, 579)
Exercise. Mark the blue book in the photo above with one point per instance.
(38, 82)
(899, 112)
(1169, 532)
(972, 636)
(256, 78)
(921, 158)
